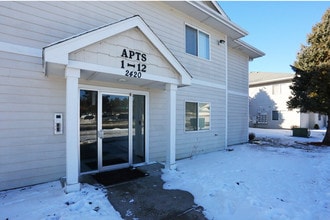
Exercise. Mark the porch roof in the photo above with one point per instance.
(56, 55)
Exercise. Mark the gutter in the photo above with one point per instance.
(253, 52)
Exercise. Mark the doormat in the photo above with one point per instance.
(118, 176)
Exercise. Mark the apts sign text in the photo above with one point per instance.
(134, 63)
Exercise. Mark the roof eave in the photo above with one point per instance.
(220, 21)
(209, 17)
(271, 81)
(246, 48)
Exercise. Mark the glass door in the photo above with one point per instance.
(114, 130)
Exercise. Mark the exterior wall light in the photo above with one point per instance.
(221, 42)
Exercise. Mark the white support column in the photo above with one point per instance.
(171, 150)
(72, 133)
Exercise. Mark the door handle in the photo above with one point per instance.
(100, 134)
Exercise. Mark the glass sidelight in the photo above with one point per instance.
(112, 130)
(138, 128)
(88, 131)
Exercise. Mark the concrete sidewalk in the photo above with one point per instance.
(144, 198)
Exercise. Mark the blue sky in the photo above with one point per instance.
(278, 28)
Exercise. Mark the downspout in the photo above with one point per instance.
(44, 63)
(226, 92)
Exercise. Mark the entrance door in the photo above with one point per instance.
(112, 130)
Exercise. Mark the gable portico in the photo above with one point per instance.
(124, 55)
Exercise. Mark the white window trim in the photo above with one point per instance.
(184, 123)
(198, 30)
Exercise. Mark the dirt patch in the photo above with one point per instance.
(145, 198)
(318, 144)
(119, 176)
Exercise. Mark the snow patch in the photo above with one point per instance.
(277, 179)
(48, 201)
(274, 180)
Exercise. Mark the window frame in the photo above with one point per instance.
(275, 115)
(198, 30)
(198, 118)
(262, 118)
(277, 89)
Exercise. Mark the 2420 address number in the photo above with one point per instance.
(134, 74)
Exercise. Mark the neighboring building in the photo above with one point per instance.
(93, 86)
(269, 93)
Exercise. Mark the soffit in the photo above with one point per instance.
(245, 48)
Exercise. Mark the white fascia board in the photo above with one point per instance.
(219, 8)
(59, 52)
(96, 67)
(118, 71)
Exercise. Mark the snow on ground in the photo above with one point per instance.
(278, 178)
(284, 137)
(259, 181)
(48, 201)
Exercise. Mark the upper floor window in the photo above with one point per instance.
(197, 43)
(276, 89)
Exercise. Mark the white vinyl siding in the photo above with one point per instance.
(238, 107)
(238, 79)
(29, 151)
(158, 125)
(269, 98)
(192, 143)
(42, 23)
(238, 111)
